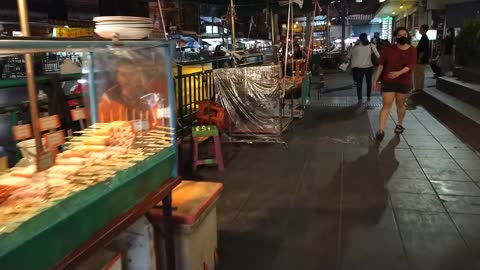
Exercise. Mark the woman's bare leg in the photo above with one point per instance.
(401, 108)
(388, 99)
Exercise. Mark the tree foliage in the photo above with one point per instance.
(468, 43)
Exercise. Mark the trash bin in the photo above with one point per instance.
(195, 225)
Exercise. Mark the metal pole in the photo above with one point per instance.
(343, 11)
(92, 91)
(163, 22)
(32, 92)
(328, 29)
(168, 227)
(172, 119)
(286, 46)
(232, 14)
(272, 22)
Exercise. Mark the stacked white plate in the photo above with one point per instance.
(123, 26)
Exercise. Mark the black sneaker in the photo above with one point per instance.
(417, 92)
(379, 135)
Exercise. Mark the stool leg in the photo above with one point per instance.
(195, 153)
(218, 152)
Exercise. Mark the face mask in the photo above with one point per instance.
(402, 40)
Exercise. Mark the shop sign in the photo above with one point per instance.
(22, 132)
(140, 126)
(320, 28)
(49, 122)
(54, 139)
(45, 160)
(78, 114)
(65, 32)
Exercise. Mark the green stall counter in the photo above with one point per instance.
(45, 239)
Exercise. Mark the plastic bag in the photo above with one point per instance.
(344, 66)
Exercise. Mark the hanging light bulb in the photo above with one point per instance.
(401, 6)
(393, 12)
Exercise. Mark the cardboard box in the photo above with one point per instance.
(137, 246)
(104, 259)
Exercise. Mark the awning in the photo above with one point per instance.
(361, 17)
(395, 8)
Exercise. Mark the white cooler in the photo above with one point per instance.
(195, 219)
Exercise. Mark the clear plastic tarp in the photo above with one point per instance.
(252, 98)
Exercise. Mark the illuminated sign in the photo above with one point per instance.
(387, 23)
(68, 32)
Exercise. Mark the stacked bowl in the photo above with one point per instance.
(123, 27)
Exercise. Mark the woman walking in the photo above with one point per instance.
(395, 72)
(362, 65)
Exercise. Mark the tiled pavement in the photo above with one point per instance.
(334, 200)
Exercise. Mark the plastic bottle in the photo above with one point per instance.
(3, 159)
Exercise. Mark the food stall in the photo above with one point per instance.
(70, 195)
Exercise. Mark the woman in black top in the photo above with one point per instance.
(447, 52)
(297, 52)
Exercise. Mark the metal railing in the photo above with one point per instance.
(190, 89)
(194, 87)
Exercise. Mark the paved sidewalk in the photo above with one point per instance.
(335, 200)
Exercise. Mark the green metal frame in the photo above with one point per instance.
(306, 88)
(7, 83)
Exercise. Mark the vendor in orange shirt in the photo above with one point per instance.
(127, 99)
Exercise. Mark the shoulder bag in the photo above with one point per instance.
(373, 57)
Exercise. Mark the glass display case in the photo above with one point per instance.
(122, 155)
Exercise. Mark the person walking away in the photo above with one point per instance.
(395, 71)
(348, 59)
(447, 53)
(361, 62)
(423, 57)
